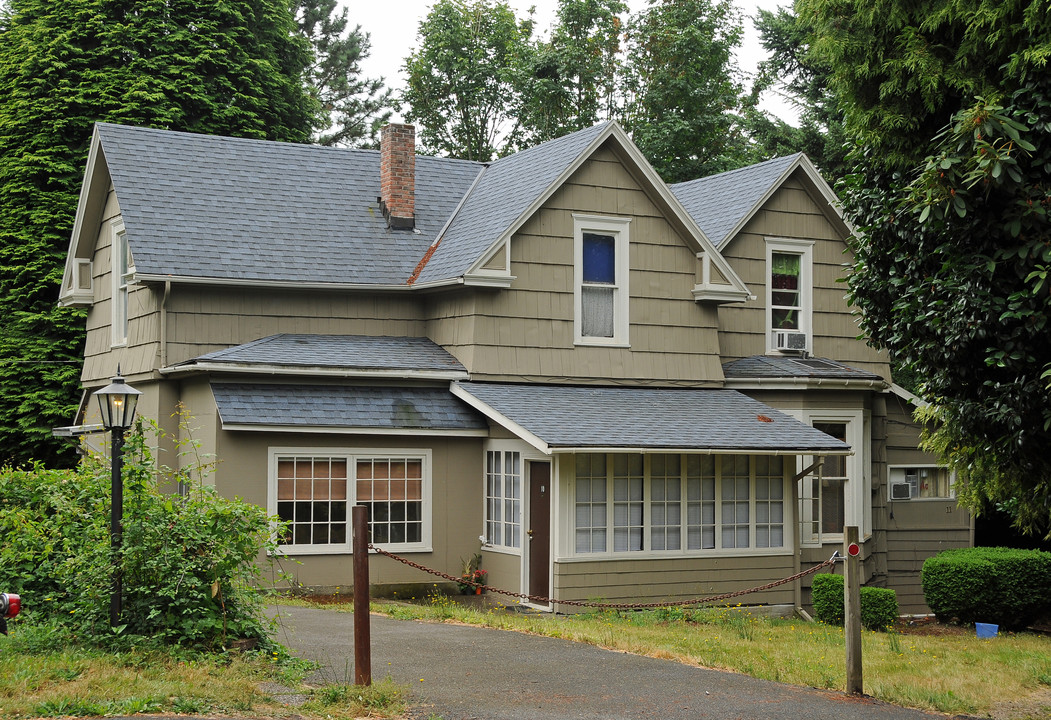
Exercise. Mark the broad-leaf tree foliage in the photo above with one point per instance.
(210, 66)
(461, 88)
(950, 194)
(353, 108)
(685, 93)
(573, 80)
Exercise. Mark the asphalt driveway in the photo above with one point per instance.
(457, 672)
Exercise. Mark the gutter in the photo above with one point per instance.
(300, 371)
(793, 383)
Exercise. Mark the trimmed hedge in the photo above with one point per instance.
(1004, 586)
(879, 606)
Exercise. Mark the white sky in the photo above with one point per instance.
(392, 26)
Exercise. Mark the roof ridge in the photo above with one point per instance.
(727, 173)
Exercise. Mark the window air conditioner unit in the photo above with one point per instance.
(789, 341)
(900, 491)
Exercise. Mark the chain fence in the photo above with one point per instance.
(541, 600)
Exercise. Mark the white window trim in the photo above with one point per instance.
(904, 466)
(805, 249)
(618, 228)
(120, 285)
(856, 495)
(567, 535)
(352, 455)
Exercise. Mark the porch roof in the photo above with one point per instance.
(563, 418)
(344, 408)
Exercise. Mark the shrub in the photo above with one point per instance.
(1004, 586)
(879, 606)
(189, 562)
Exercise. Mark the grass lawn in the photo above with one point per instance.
(42, 675)
(929, 667)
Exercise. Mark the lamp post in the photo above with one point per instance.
(117, 404)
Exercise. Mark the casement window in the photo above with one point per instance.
(789, 301)
(924, 482)
(601, 280)
(122, 272)
(503, 499)
(313, 491)
(678, 503)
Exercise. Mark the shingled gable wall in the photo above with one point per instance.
(398, 174)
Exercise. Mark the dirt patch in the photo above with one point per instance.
(929, 626)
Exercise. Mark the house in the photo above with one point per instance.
(609, 386)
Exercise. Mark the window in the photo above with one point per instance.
(919, 483)
(123, 270)
(678, 503)
(789, 295)
(503, 498)
(601, 280)
(314, 491)
(836, 494)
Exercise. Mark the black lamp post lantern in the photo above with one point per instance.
(117, 404)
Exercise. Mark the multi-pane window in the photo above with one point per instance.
(628, 502)
(590, 504)
(831, 483)
(312, 500)
(786, 301)
(503, 498)
(123, 269)
(313, 494)
(674, 503)
(601, 280)
(392, 489)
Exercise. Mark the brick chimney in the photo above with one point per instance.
(398, 175)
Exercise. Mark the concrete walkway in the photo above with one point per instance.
(457, 672)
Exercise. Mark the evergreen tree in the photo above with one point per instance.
(206, 66)
(353, 108)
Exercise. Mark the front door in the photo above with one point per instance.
(539, 528)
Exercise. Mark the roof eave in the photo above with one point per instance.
(774, 452)
(312, 371)
(804, 383)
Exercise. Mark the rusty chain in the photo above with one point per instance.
(540, 600)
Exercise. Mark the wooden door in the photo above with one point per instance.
(539, 532)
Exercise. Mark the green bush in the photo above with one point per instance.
(189, 562)
(879, 606)
(1004, 586)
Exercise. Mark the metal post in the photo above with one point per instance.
(852, 608)
(116, 522)
(359, 520)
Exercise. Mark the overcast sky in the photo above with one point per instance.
(392, 25)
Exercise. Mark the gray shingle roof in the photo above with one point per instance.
(342, 351)
(769, 366)
(506, 189)
(231, 208)
(343, 406)
(718, 202)
(581, 417)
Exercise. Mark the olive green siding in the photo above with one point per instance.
(920, 528)
(527, 333)
(668, 580)
(201, 319)
(138, 354)
(792, 213)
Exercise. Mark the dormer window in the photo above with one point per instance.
(789, 306)
(601, 280)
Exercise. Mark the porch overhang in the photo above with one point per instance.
(562, 419)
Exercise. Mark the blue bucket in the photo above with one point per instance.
(986, 630)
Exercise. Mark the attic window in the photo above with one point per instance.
(601, 280)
